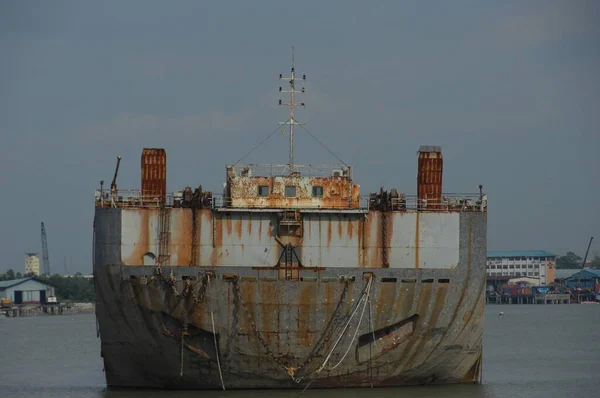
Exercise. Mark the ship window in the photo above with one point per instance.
(317, 191)
(263, 190)
(290, 191)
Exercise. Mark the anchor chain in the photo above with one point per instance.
(290, 370)
(238, 293)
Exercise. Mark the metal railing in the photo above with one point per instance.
(406, 203)
(131, 198)
(305, 170)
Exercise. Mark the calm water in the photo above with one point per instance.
(531, 351)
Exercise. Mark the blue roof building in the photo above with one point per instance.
(519, 253)
(589, 279)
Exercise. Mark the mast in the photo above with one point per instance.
(291, 104)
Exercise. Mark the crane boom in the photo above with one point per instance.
(45, 257)
(113, 184)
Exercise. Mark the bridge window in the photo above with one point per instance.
(263, 190)
(290, 191)
(317, 191)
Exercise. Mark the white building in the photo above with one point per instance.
(32, 264)
(533, 264)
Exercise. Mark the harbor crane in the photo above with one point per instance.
(45, 257)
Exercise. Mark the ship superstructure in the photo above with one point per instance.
(290, 276)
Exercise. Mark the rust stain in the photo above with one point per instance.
(228, 224)
(181, 239)
(238, 228)
(328, 231)
(438, 306)
(338, 192)
(415, 344)
(385, 301)
(196, 350)
(361, 243)
(260, 229)
(417, 239)
(246, 318)
(329, 300)
(141, 246)
(250, 222)
(351, 229)
(339, 224)
(403, 303)
(268, 307)
(467, 316)
(308, 293)
(198, 315)
(217, 251)
(389, 220)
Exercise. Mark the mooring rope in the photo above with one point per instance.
(212, 318)
(364, 295)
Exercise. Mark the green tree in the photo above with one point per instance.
(569, 261)
(19, 275)
(596, 261)
(10, 274)
(72, 288)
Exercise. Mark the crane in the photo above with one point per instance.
(45, 257)
(113, 184)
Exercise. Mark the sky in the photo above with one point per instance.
(508, 89)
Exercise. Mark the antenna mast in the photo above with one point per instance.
(291, 104)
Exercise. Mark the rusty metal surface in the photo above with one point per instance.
(208, 238)
(141, 315)
(154, 173)
(429, 177)
(268, 328)
(337, 192)
(287, 274)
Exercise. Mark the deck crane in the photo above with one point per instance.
(113, 184)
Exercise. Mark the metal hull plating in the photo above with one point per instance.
(422, 323)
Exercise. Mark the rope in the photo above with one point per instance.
(371, 345)
(212, 318)
(344, 330)
(260, 143)
(323, 145)
(366, 296)
(181, 364)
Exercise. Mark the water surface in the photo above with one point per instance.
(530, 351)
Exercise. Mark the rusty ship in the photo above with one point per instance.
(289, 278)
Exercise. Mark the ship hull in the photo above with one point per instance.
(195, 327)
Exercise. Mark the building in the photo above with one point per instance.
(32, 264)
(532, 264)
(26, 291)
(585, 279)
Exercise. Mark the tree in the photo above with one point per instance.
(596, 261)
(569, 261)
(18, 276)
(10, 274)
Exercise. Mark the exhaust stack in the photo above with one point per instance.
(154, 173)
(429, 177)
